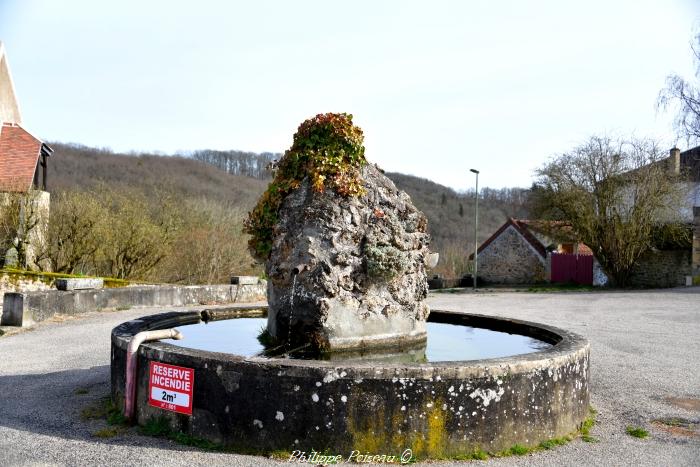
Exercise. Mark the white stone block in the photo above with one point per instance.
(244, 280)
(79, 283)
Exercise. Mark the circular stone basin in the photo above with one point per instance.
(454, 403)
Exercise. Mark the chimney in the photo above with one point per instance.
(674, 161)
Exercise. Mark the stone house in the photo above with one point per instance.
(670, 267)
(690, 159)
(517, 252)
(24, 199)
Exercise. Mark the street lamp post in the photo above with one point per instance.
(476, 227)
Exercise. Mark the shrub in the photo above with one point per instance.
(328, 150)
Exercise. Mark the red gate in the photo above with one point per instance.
(577, 269)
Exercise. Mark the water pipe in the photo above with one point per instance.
(132, 358)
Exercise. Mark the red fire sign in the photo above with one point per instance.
(170, 387)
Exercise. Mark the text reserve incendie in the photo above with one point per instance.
(170, 387)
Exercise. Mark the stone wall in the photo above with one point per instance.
(25, 309)
(696, 245)
(20, 283)
(510, 259)
(662, 268)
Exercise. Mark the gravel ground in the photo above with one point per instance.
(645, 348)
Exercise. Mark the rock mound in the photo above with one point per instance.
(348, 271)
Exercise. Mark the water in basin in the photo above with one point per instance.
(446, 342)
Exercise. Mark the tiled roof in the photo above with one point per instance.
(19, 153)
(584, 250)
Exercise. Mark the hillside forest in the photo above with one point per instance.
(179, 218)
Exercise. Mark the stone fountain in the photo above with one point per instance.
(346, 253)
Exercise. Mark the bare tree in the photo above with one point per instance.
(22, 221)
(454, 260)
(616, 195)
(137, 233)
(73, 239)
(209, 247)
(685, 95)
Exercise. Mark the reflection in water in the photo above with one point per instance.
(537, 344)
(446, 342)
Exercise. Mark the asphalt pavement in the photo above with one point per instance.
(645, 369)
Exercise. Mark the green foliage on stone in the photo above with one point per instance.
(520, 450)
(266, 340)
(160, 427)
(586, 426)
(385, 262)
(15, 275)
(109, 432)
(328, 150)
(105, 409)
(637, 432)
(554, 442)
(478, 454)
(156, 426)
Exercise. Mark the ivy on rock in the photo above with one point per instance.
(328, 150)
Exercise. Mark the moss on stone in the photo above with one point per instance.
(373, 436)
(586, 426)
(48, 278)
(328, 150)
(382, 433)
(266, 340)
(554, 442)
(385, 262)
(436, 438)
(104, 409)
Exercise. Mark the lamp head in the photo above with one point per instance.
(474, 171)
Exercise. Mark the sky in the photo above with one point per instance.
(438, 87)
